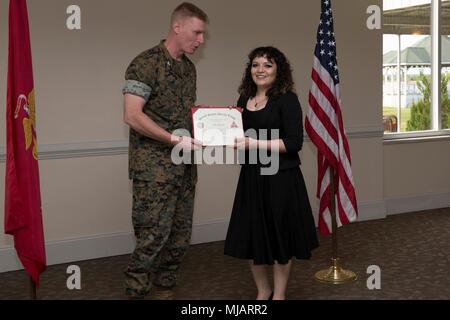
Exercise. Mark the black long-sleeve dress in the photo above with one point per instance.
(271, 219)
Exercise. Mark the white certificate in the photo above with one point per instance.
(217, 126)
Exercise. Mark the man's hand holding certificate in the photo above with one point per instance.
(217, 126)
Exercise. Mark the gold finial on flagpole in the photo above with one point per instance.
(334, 274)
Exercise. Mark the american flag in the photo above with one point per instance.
(325, 127)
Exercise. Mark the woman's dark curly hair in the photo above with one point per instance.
(283, 81)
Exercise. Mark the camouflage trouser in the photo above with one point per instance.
(162, 221)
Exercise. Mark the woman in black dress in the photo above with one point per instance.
(271, 220)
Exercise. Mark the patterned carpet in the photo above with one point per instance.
(412, 251)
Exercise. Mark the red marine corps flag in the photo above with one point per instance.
(23, 216)
(324, 125)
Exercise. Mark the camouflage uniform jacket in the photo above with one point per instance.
(169, 88)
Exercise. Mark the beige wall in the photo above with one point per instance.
(82, 197)
(78, 79)
(416, 169)
(78, 74)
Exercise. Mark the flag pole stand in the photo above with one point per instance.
(335, 274)
(33, 291)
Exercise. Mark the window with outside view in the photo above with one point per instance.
(407, 66)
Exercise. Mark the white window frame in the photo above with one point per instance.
(436, 131)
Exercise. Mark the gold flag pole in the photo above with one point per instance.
(334, 274)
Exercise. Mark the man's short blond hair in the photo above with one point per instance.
(188, 10)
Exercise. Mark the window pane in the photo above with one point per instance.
(406, 81)
(390, 83)
(445, 60)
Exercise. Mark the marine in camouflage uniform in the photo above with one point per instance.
(163, 193)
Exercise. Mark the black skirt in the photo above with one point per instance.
(271, 221)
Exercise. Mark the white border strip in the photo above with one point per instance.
(108, 245)
(77, 150)
(417, 203)
(110, 148)
(100, 246)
